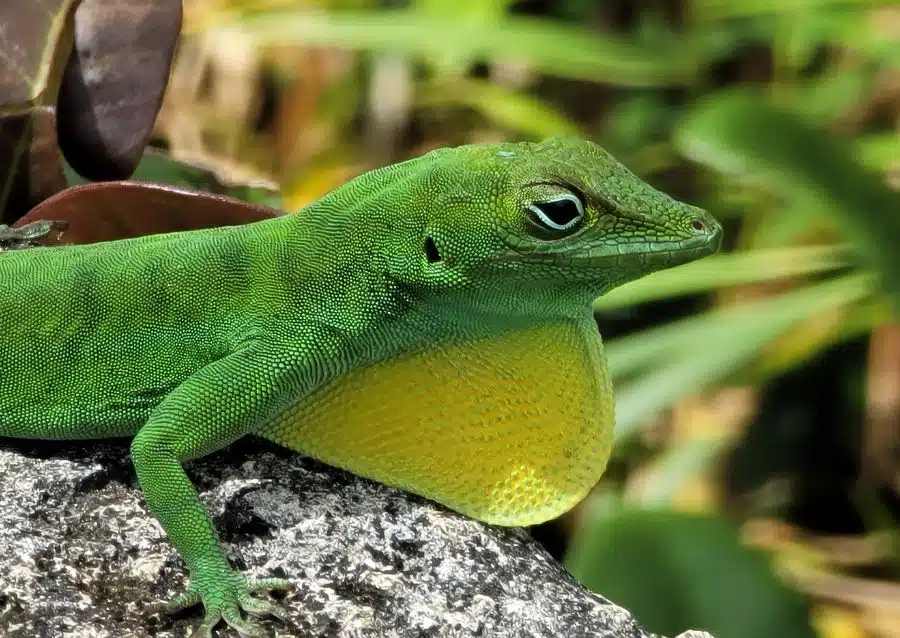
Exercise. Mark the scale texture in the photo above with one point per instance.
(427, 325)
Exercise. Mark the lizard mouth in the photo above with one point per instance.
(652, 255)
(661, 254)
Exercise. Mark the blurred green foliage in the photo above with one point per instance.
(650, 558)
(781, 118)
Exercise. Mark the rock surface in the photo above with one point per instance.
(81, 558)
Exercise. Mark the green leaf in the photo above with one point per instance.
(554, 48)
(880, 151)
(831, 95)
(475, 10)
(677, 572)
(638, 120)
(724, 270)
(742, 134)
(686, 356)
(510, 109)
(678, 465)
(720, 9)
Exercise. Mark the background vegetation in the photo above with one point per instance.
(754, 489)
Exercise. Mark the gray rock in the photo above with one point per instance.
(81, 558)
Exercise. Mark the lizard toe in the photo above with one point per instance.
(226, 600)
(267, 584)
(262, 607)
(246, 628)
(188, 599)
(205, 629)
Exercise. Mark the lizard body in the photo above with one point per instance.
(427, 325)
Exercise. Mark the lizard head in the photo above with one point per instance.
(561, 215)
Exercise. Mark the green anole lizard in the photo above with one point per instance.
(427, 325)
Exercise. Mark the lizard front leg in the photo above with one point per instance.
(211, 409)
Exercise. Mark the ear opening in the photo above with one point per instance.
(431, 251)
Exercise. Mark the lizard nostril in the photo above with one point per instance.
(698, 224)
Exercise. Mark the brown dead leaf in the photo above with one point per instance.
(114, 82)
(107, 211)
(32, 47)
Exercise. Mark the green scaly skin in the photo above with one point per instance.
(188, 341)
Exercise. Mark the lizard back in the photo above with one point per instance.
(107, 330)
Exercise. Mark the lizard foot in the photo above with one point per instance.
(226, 599)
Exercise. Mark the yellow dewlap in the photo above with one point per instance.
(512, 431)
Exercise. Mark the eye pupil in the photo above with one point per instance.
(561, 212)
(558, 214)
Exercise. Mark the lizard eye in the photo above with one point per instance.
(558, 215)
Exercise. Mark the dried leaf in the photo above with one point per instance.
(31, 33)
(28, 147)
(33, 44)
(118, 210)
(113, 85)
